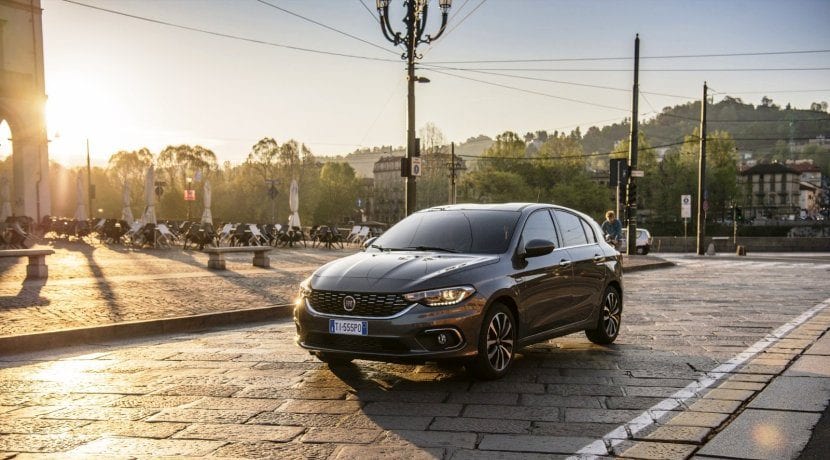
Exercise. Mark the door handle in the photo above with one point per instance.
(564, 263)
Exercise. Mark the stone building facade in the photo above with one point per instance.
(772, 191)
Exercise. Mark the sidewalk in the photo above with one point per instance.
(110, 292)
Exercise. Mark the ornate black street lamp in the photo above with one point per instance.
(415, 21)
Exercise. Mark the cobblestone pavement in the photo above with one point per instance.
(679, 379)
(94, 285)
(97, 285)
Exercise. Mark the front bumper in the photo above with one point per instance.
(412, 335)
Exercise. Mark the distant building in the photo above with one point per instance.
(809, 187)
(389, 190)
(773, 191)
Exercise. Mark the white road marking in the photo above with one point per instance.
(602, 447)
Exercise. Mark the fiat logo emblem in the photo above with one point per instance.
(349, 303)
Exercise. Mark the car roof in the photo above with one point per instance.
(488, 207)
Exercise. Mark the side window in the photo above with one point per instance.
(539, 226)
(589, 232)
(571, 226)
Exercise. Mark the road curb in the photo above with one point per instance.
(13, 344)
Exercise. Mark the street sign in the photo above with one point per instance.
(190, 195)
(686, 206)
(637, 173)
(416, 166)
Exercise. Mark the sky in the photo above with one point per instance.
(124, 83)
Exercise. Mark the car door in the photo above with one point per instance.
(542, 282)
(587, 257)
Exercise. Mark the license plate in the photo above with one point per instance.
(338, 326)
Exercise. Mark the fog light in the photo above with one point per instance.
(440, 339)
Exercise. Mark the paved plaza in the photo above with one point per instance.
(719, 357)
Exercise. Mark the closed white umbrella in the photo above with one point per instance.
(5, 198)
(149, 216)
(207, 217)
(80, 211)
(126, 211)
(294, 204)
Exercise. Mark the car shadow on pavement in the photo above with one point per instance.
(560, 396)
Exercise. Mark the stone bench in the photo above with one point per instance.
(37, 260)
(217, 255)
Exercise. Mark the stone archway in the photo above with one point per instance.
(22, 102)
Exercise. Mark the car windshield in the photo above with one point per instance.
(463, 231)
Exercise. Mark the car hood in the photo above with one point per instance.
(395, 271)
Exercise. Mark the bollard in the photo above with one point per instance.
(711, 250)
(740, 250)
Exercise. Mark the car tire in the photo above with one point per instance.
(610, 318)
(334, 359)
(646, 249)
(496, 344)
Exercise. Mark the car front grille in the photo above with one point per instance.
(366, 304)
(356, 343)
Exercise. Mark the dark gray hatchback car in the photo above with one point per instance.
(465, 282)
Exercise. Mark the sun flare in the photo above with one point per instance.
(80, 109)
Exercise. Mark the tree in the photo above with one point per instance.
(431, 138)
(339, 187)
(818, 106)
(128, 168)
(263, 157)
(177, 164)
(494, 187)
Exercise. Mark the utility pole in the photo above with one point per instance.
(701, 178)
(415, 21)
(631, 196)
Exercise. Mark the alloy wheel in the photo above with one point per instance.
(500, 341)
(611, 313)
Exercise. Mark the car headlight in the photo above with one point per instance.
(441, 297)
(305, 291)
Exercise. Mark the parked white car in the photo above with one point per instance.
(643, 240)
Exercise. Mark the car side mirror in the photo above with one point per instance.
(536, 248)
(369, 242)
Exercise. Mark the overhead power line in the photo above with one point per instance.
(538, 93)
(628, 58)
(230, 36)
(776, 91)
(458, 24)
(746, 69)
(333, 29)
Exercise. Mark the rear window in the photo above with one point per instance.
(572, 232)
(465, 231)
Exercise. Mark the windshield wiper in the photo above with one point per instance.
(429, 248)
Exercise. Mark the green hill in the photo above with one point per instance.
(759, 129)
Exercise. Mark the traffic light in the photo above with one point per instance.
(739, 214)
(631, 198)
(406, 169)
